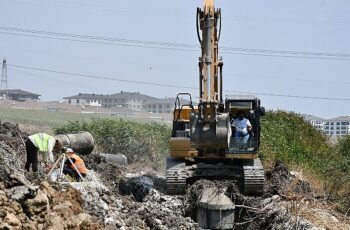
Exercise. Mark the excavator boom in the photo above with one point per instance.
(208, 20)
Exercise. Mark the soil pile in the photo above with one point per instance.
(12, 145)
(24, 206)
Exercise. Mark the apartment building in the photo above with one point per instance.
(164, 105)
(336, 127)
(131, 100)
(84, 99)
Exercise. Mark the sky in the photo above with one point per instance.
(316, 32)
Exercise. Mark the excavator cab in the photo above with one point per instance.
(248, 142)
(182, 111)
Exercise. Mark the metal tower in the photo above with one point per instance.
(4, 85)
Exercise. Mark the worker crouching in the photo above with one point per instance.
(74, 165)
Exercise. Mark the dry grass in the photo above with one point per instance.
(312, 207)
(323, 216)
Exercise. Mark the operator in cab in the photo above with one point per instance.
(242, 127)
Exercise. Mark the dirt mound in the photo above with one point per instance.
(11, 130)
(12, 149)
(24, 206)
(286, 203)
(109, 171)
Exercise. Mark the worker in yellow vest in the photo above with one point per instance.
(78, 165)
(45, 145)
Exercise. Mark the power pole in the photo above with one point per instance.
(4, 84)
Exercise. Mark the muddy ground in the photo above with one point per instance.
(132, 197)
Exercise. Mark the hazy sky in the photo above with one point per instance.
(316, 26)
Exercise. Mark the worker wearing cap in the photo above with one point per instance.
(45, 145)
(78, 163)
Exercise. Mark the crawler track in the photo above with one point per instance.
(176, 177)
(254, 179)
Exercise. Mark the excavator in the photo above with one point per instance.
(203, 144)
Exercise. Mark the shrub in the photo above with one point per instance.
(139, 142)
(286, 136)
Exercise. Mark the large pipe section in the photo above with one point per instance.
(82, 143)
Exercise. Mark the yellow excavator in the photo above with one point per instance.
(203, 144)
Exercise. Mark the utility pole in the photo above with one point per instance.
(4, 85)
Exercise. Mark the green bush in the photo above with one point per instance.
(286, 136)
(139, 142)
(341, 176)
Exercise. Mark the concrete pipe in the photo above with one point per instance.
(82, 143)
(119, 159)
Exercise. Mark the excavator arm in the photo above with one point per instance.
(208, 31)
(210, 127)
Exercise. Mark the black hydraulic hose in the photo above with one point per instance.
(219, 13)
(197, 25)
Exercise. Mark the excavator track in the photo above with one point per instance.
(175, 177)
(254, 179)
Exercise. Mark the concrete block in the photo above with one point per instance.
(215, 210)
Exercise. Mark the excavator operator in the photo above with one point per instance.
(242, 127)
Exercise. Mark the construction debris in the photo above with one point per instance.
(115, 196)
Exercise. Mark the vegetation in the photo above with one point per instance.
(286, 136)
(139, 142)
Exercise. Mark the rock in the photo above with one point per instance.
(139, 186)
(19, 193)
(158, 221)
(47, 188)
(119, 159)
(55, 222)
(39, 204)
(5, 226)
(12, 220)
(66, 205)
(294, 174)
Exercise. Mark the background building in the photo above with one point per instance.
(125, 101)
(84, 99)
(19, 95)
(335, 127)
(131, 100)
(165, 105)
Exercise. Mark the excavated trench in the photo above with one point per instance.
(124, 197)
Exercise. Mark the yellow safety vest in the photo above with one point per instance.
(42, 141)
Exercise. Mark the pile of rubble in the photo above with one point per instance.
(24, 206)
(116, 196)
(12, 145)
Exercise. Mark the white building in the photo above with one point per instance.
(131, 100)
(336, 127)
(165, 105)
(84, 99)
